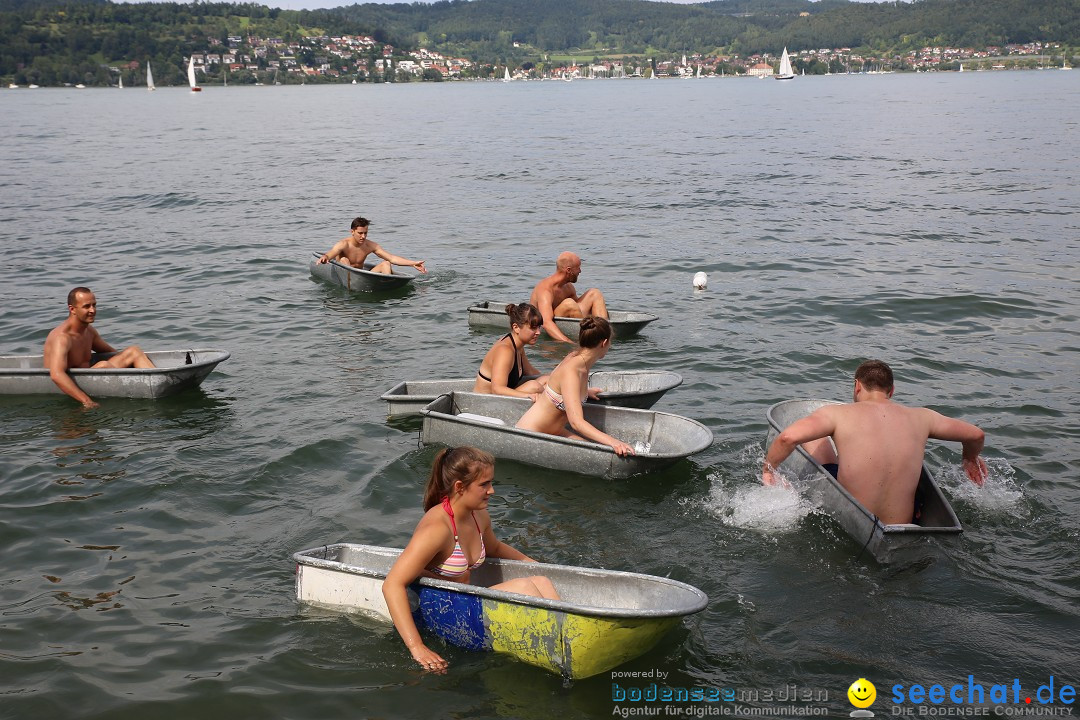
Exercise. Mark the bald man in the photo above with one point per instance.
(555, 296)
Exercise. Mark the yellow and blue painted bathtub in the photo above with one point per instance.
(605, 617)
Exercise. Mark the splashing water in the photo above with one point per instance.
(999, 494)
(757, 507)
(753, 506)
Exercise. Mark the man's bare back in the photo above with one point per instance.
(880, 446)
(72, 343)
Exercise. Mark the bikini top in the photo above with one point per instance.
(513, 378)
(556, 398)
(458, 564)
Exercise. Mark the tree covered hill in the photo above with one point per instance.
(747, 26)
(75, 41)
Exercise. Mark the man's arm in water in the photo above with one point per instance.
(970, 436)
(819, 424)
(56, 360)
(547, 312)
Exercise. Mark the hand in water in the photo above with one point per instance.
(976, 470)
(430, 660)
(771, 478)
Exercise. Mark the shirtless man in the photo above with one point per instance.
(353, 250)
(555, 296)
(880, 444)
(70, 344)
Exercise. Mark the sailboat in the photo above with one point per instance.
(191, 75)
(698, 75)
(961, 67)
(149, 77)
(1063, 65)
(785, 67)
(121, 82)
(506, 74)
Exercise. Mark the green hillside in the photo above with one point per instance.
(96, 42)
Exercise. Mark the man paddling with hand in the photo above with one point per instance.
(555, 296)
(353, 250)
(71, 343)
(880, 445)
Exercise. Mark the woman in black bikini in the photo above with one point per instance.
(505, 364)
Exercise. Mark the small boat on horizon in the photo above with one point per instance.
(785, 68)
(191, 75)
(149, 78)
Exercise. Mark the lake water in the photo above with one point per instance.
(927, 220)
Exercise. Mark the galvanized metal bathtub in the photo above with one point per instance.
(357, 279)
(605, 617)
(492, 315)
(624, 388)
(176, 370)
(487, 422)
(886, 543)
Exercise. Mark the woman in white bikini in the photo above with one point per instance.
(570, 380)
(455, 527)
(505, 364)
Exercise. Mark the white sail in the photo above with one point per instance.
(506, 74)
(191, 74)
(121, 82)
(149, 77)
(785, 67)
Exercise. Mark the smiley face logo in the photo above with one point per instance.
(862, 693)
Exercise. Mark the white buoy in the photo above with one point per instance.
(700, 281)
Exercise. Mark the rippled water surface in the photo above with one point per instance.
(927, 220)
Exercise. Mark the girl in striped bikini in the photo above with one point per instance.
(452, 539)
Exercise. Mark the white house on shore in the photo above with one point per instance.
(760, 70)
